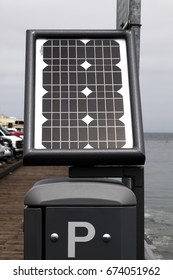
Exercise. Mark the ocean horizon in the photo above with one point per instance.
(159, 193)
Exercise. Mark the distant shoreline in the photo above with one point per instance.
(158, 135)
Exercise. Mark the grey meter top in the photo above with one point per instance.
(58, 192)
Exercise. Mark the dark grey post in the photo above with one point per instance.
(129, 16)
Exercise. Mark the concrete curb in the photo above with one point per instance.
(10, 168)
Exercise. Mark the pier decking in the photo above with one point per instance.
(13, 188)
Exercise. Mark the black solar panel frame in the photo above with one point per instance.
(123, 156)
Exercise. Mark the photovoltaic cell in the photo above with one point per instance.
(82, 95)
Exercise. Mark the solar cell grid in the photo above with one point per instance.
(82, 103)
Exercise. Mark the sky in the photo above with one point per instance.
(156, 60)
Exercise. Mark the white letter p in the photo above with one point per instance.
(72, 238)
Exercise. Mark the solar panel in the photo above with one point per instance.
(81, 96)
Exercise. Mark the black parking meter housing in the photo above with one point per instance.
(80, 219)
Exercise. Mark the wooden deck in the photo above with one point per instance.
(13, 188)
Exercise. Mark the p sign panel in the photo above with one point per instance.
(90, 233)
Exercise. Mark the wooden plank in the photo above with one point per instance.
(13, 188)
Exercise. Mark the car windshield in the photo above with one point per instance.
(4, 130)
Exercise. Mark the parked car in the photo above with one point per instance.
(6, 142)
(15, 132)
(17, 142)
(2, 153)
(7, 152)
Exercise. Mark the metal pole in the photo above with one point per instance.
(129, 17)
(135, 23)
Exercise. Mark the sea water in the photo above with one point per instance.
(159, 194)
